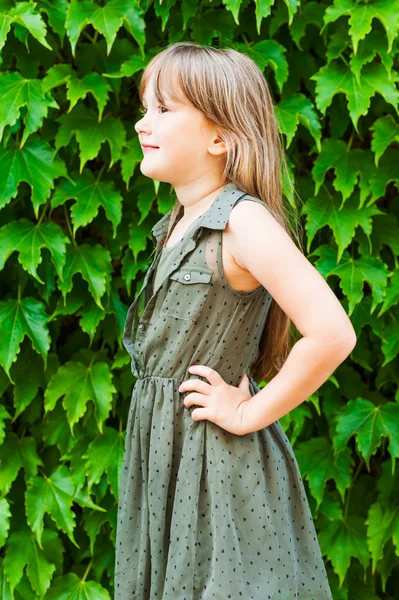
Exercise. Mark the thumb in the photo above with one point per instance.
(244, 382)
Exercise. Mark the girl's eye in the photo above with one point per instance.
(142, 110)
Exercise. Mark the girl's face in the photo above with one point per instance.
(188, 147)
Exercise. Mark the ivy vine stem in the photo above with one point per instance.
(69, 226)
(87, 570)
(351, 486)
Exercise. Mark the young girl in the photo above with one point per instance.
(212, 504)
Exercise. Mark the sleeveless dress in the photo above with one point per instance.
(203, 513)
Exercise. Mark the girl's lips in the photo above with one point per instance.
(148, 148)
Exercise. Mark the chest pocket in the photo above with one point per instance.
(187, 291)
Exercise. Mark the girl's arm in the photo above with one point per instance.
(260, 245)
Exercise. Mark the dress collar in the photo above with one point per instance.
(215, 217)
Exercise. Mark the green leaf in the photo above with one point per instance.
(77, 89)
(27, 238)
(56, 15)
(311, 13)
(270, 52)
(374, 46)
(383, 516)
(335, 77)
(17, 453)
(340, 541)
(132, 156)
(90, 193)
(36, 165)
(107, 20)
(105, 454)
(319, 463)
(368, 423)
(350, 166)
(79, 383)
(52, 495)
(294, 110)
(72, 587)
(17, 91)
(37, 561)
(385, 132)
(353, 272)
(94, 264)
(90, 134)
(324, 210)
(361, 15)
(5, 519)
(390, 345)
(388, 171)
(23, 14)
(19, 318)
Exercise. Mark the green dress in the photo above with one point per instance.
(203, 513)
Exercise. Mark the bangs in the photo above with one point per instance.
(167, 80)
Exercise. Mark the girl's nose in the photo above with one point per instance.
(142, 125)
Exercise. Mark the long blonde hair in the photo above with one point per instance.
(232, 93)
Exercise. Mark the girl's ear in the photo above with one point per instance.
(222, 141)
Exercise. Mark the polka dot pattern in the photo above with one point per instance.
(202, 513)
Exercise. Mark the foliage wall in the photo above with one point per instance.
(75, 242)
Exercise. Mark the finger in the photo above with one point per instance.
(213, 376)
(201, 414)
(195, 384)
(194, 398)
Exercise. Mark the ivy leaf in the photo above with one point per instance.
(296, 109)
(77, 89)
(27, 384)
(52, 495)
(93, 263)
(56, 15)
(324, 210)
(383, 516)
(374, 46)
(311, 13)
(72, 587)
(5, 520)
(270, 52)
(107, 20)
(349, 167)
(134, 64)
(385, 132)
(90, 134)
(390, 344)
(35, 164)
(360, 18)
(353, 272)
(388, 170)
(132, 156)
(37, 561)
(368, 423)
(105, 455)
(17, 91)
(382, 526)
(89, 193)
(24, 15)
(27, 238)
(17, 453)
(79, 383)
(337, 77)
(19, 318)
(340, 540)
(319, 463)
(392, 291)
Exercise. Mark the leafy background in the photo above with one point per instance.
(75, 242)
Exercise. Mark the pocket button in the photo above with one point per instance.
(187, 277)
